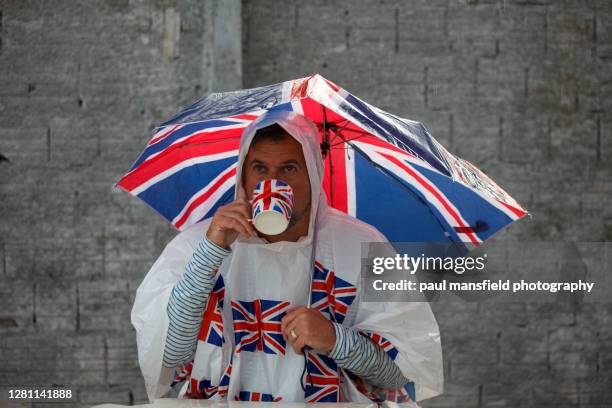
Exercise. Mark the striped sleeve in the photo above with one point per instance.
(364, 358)
(187, 301)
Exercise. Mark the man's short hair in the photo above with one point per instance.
(274, 133)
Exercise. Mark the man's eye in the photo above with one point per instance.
(290, 169)
(259, 168)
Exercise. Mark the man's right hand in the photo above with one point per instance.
(229, 221)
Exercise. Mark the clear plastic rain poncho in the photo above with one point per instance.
(258, 281)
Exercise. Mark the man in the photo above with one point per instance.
(225, 313)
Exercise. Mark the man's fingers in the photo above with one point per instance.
(297, 326)
(236, 212)
(287, 331)
(239, 223)
(240, 203)
(230, 223)
(242, 214)
(291, 314)
(298, 345)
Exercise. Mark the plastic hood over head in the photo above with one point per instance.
(305, 132)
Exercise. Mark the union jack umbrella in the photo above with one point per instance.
(383, 169)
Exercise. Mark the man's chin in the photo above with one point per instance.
(297, 218)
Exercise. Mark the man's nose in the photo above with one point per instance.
(276, 174)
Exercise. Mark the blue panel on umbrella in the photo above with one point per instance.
(282, 107)
(397, 212)
(176, 135)
(227, 198)
(477, 211)
(169, 196)
(410, 136)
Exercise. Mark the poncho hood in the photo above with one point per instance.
(305, 132)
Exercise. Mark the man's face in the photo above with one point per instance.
(282, 160)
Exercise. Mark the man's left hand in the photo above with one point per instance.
(310, 328)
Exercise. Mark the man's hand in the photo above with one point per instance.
(310, 328)
(229, 221)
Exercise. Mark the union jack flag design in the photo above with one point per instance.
(256, 396)
(201, 157)
(385, 344)
(404, 394)
(225, 380)
(201, 389)
(257, 325)
(331, 295)
(211, 329)
(204, 389)
(379, 395)
(274, 195)
(188, 168)
(322, 380)
(183, 373)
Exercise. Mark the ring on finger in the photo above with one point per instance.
(293, 334)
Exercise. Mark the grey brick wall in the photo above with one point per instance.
(523, 90)
(520, 88)
(81, 86)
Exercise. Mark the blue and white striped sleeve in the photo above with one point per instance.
(187, 300)
(361, 356)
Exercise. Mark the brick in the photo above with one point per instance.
(17, 110)
(500, 83)
(524, 35)
(450, 83)
(569, 26)
(507, 393)
(522, 140)
(24, 146)
(477, 137)
(455, 394)
(524, 346)
(555, 391)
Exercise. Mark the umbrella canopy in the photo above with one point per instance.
(383, 169)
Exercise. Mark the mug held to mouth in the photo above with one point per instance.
(272, 205)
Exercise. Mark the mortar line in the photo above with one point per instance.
(526, 84)
(347, 31)
(549, 137)
(598, 138)
(546, 30)
(594, 47)
(476, 72)
(34, 304)
(426, 86)
(105, 355)
(48, 144)
(78, 309)
(4, 259)
(451, 132)
(396, 30)
(501, 138)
